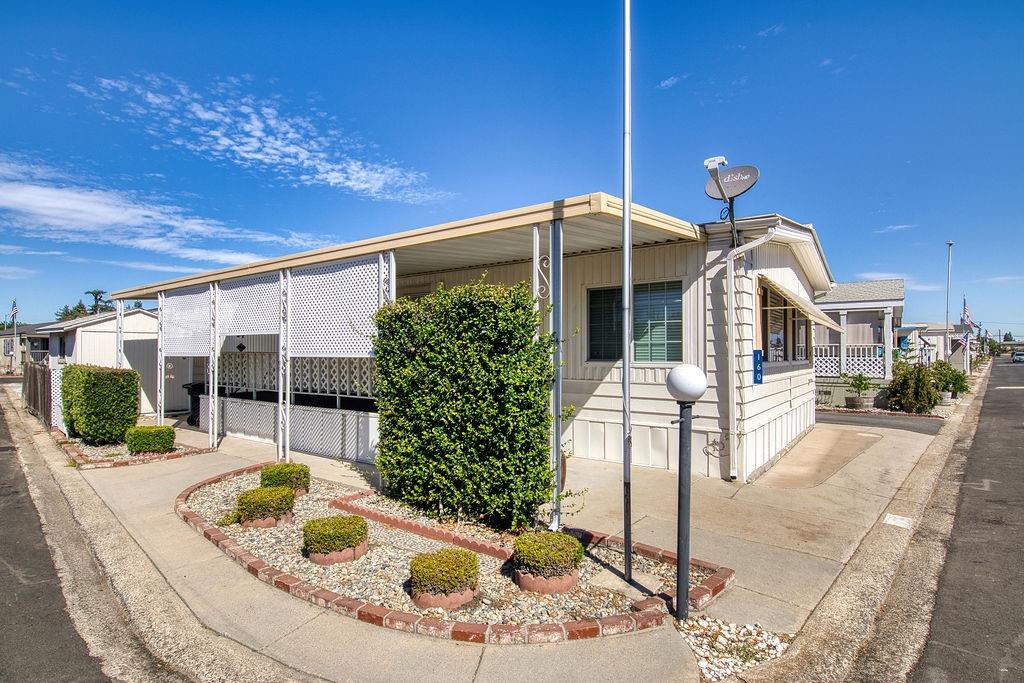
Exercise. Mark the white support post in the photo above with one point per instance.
(380, 280)
(392, 277)
(287, 303)
(556, 394)
(842, 343)
(887, 341)
(160, 369)
(119, 305)
(282, 362)
(212, 374)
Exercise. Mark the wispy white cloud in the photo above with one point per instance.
(1004, 279)
(825, 62)
(137, 265)
(13, 249)
(899, 227)
(227, 122)
(15, 273)
(672, 81)
(909, 281)
(38, 203)
(773, 30)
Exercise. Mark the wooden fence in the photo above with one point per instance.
(35, 390)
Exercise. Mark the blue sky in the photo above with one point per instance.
(139, 143)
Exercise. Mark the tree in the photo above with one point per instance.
(1008, 337)
(79, 310)
(99, 305)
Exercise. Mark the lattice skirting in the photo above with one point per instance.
(57, 402)
(328, 432)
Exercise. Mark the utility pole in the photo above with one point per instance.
(627, 284)
(949, 271)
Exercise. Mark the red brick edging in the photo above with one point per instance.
(83, 462)
(645, 614)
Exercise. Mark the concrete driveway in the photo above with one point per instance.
(787, 535)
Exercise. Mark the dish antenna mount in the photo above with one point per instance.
(727, 184)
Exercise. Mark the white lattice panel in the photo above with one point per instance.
(342, 434)
(331, 307)
(826, 366)
(241, 417)
(872, 367)
(250, 305)
(56, 400)
(344, 376)
(186, 322)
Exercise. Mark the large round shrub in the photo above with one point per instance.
(329, 534)
(291, 474)
(446, 571)
(100, 404)
(270, 501)
(912, 389)
(462, 386)
(547, 553)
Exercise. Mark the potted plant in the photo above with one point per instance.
(942, 376)
(860, 384)
(331, 540)
(958, 385)
(265, 507)
(446, 578)
(291, 474)
(546, 562)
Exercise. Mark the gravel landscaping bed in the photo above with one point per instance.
(723, 649)
(381, 576)
(114, 451)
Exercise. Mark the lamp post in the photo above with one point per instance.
(949, 273)
(686, 384)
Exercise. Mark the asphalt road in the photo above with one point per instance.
(921, 425)
(37, 639)
(977, 628)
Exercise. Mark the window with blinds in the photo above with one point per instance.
(785, 330)
(657, 323)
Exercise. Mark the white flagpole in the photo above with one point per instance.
(627, 285)
(14, 338)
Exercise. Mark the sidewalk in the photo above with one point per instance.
(320, 642)
(787, 535)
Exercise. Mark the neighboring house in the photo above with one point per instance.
(93, 340)
(26, 347)
(317, 343)
(870, 313)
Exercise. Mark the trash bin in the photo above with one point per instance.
(195, 390)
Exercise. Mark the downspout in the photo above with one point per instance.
(730, 343)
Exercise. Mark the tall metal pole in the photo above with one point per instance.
(683, 513)
(627, 283)
(949, 271)
(556, 392)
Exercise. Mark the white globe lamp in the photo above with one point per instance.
(686, 383)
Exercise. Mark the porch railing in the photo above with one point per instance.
(866, 358)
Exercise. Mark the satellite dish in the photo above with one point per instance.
(736, 180)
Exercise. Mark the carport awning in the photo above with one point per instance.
(803, 305)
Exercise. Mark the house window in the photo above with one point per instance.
(8, 346)
(657, 323)
(785, 330)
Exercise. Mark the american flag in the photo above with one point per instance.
(965, 317)
(966, 338)
(14, 310)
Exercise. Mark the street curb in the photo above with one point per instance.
(644, 614)
(843, 621)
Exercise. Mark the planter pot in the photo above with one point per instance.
(947, 397)
(860, 402)
(268, 522)
(337, 556)
(447, 601)
(548, 585)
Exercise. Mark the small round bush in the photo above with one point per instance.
(334, 533)
(547, 553)
(270, 501)
(449, 570)
(290, 474)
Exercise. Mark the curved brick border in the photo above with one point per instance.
(645, 614)
(83, 462)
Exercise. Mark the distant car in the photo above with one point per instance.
(1018, 357)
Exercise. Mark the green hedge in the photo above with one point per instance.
(547, 553)
(449, 570)
(290, 474)
(463, 399)
(328, 534)
(912, 389)
(150, 439)
(271, 501)
(100, 404)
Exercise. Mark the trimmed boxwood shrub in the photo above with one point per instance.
(100, 404)
(912, 389)
(334, 533)
(547, 553)
(270, 501)
(449, 570)
(462, 389)
(291, 474)
(149, 439)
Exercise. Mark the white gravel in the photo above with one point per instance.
(111, 451)
(381, 576)
(723, 649)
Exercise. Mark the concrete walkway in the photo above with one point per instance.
(788, 535)
(320, 642)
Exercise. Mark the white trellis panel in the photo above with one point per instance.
(332, 306)
(186, 322)
(870, 366)
(250, 305)
(56, 399)
(342, 434)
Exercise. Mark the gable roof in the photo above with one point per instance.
(864, 290)
(25, 329)
(65, 325)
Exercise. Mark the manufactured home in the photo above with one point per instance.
(303, 323)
